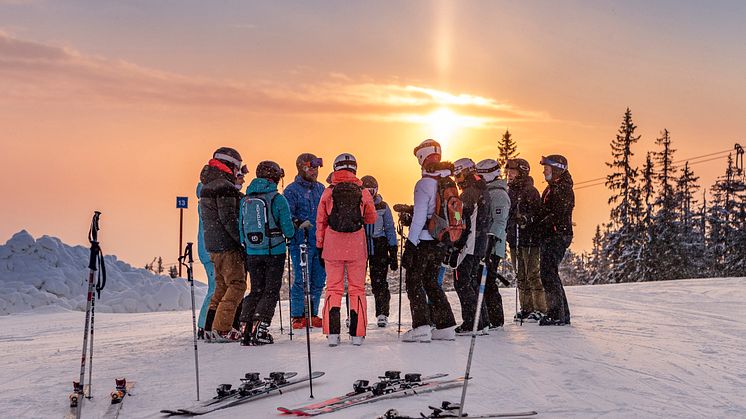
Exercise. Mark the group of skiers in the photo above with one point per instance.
(463, 214)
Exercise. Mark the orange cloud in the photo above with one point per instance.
(40, 71)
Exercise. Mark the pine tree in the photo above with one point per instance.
(666, 229)
(622, 247)
(506, 148)
(689, 237)
(623, 176)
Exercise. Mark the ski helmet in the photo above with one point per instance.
(520, 165)
(308, 160)
(463, 166)
(345, 161)
(426, 149)
(229, 156)
(555, 160)
(270, 170)
(489, 169)
(370, 183)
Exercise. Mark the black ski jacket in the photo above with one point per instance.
(475, 197)
(525, 203)
(558, 201)
(219, 206)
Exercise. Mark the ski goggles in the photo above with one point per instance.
(548, 162)
(314, 163)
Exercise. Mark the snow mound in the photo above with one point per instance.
(47, 275)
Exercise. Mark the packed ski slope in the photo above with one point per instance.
(666, 349)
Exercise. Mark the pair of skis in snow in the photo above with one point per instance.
(252, 387)
(390, 386)
(122, 389)
(450, 410)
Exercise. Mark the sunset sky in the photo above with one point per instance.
(115, 106)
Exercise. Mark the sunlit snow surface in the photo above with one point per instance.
(656, 349)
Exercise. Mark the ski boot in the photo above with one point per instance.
(260, 334)
(119, 391)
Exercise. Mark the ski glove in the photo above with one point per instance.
(393, 260)
(321, 256)
(407, 259)
(493, 262)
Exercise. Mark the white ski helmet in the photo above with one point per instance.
(489, 169)
(462, 166)
(426, 149)
(345, 161)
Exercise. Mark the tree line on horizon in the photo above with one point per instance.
(660, 226)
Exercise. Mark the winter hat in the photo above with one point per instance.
(489, 169)
(345, 161)
(520, 165)
(463, 166)
(555, 160)
(228, 156)
(426, 149)
(270, 170)
(308, 159)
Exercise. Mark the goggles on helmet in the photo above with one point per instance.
(314, 163)
(548, 162)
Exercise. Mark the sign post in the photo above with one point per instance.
(182, 202)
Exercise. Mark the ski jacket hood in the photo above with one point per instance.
(345, 176)
(261, 185)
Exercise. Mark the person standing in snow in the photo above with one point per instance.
(218, 204)
(500, 205)
(558, 201)
(524, 239)
(265, 224)
(473, 243)
(382, 245)
(344, 209)
(423, 254)
(303, 196)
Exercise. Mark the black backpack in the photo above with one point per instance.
(346, 216)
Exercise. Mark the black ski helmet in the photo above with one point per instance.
(521, 165)
(229, 156)
(369, 182)
(270, 170)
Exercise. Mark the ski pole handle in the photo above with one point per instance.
(93, 231)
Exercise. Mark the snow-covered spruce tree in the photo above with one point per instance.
(622, 245)
(665, 246)
(506, 148)
(690, 236)
(727, 223)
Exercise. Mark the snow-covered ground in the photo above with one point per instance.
(661, 349)
(45, 274)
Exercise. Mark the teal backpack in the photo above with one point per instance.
(259, 230)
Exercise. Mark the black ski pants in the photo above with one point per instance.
(265, 274)
(552, 252)
(379, 269)
(422, 285)
(493, 300)
(466, 283)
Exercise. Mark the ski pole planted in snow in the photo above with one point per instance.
(290, 297)
(307, 290)
(95, 258)
(480, 299)
(188, 260)
(400, 230)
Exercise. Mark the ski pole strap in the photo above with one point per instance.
(101, 282)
